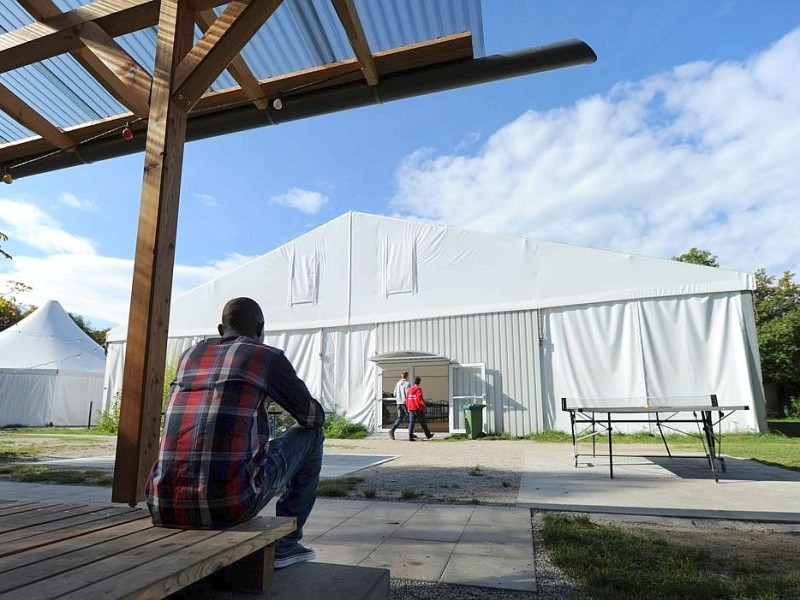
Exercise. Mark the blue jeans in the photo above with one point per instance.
(401, 414)
(294, 460)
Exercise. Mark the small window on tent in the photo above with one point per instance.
(304, 280)
(399, 267)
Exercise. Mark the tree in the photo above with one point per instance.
(11, 311)
(698, 257)
(98, 335)
(777, 307)
(4, 238)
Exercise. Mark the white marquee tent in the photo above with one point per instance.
(50, 370)
(509, 322)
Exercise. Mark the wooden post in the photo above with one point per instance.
(148, 322)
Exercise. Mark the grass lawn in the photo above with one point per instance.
(768, 448)
(53, 431)
(612, 562)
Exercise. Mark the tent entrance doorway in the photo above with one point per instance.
(435, 385)
(434, 371)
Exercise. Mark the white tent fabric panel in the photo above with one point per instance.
(700, 345)
(349, 378)
(26, 397)
(679, 348)
(74, 396)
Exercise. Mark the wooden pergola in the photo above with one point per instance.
(174, 101)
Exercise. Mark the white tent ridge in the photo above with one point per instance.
(51, 371)
(522, 322)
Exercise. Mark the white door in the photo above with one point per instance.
(467, 386)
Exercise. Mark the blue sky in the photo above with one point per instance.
(684, 133)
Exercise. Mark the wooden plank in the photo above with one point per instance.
(112, 67)
(60, 34)
(44, 515)
(6, 512)
(18, 110)
(69, 541)
(148, 322)
(167, 573)
(348, 15)
(237, 68)
(13, 541)
(57, 573)
(448, 49)
(219, 45)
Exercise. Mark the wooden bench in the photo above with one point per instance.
(50, 549)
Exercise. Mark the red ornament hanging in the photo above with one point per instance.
(127, 132)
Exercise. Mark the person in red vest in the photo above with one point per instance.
(415, 403)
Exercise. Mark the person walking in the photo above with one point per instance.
(415, 403)
(400, 389)
(216, 465)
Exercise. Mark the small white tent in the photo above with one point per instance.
(50, 370)
(510, 322)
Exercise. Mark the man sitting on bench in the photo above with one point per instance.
(216, 466)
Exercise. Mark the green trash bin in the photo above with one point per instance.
(473, 415)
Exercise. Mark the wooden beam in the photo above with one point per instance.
(105, 60)
(238, 67)
(148, 323)
(61, 33)
(348, 15)
(219, 45)
(27, 116)
(415, 56)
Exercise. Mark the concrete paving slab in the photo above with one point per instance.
(678, 487)
(412, 559)
(491, 572)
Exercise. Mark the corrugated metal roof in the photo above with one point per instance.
(302, 34)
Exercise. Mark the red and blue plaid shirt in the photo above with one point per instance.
(214, 445)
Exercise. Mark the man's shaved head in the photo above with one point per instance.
(242, 315)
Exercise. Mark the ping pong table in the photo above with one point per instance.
(589, 419)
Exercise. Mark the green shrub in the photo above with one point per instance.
(338, 427)
(792, 408)
(109, 418)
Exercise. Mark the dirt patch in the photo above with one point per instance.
(462, 472)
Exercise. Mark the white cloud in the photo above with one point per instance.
(97, 287)
(305, 201)
(704, 155)
(207, 200)
(26, 223)
(73, 201)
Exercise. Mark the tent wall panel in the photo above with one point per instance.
(349, 379)
(678, 348)
(26, 397)
(506, 342)
(75, 394)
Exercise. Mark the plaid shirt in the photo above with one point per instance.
(214, 445)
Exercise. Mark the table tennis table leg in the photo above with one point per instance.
(610, 449)
(574, 438)
(711, 452)
(663, 437)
